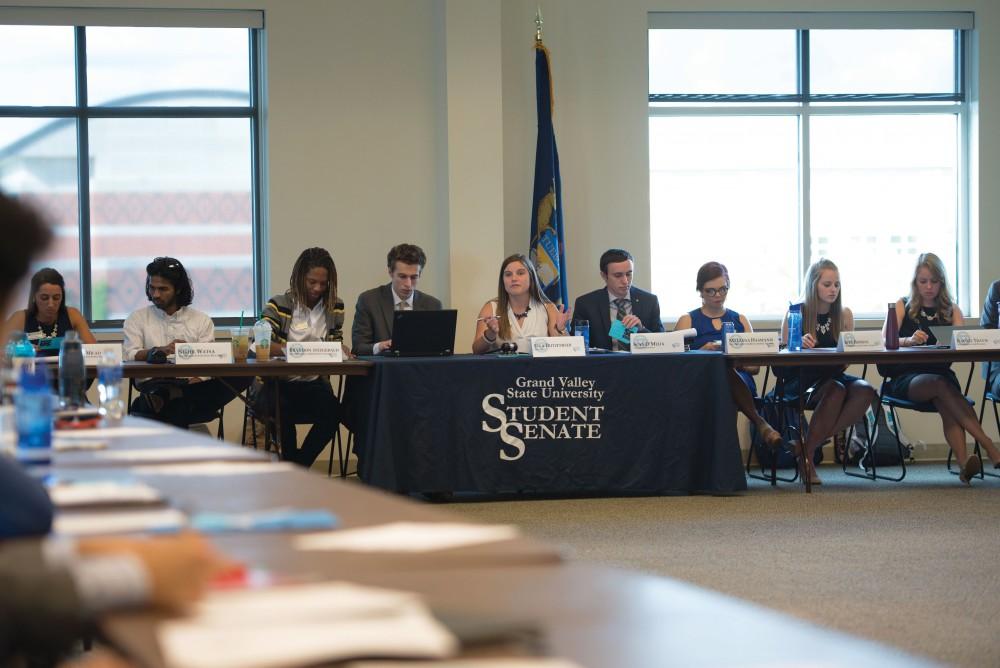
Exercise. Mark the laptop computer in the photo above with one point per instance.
(943, 333)
(423, 333)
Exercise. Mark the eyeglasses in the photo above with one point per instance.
(711, 292)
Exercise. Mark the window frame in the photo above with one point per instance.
(805, 105)
(82, 113)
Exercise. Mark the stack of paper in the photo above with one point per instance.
(302, 625)
(102, 493)
(407, 537)
(163, 520)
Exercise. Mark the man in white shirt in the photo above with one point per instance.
(371, 332)
(150, 336)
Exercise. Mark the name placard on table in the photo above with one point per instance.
(975, 339)
(314, 351)
(867, 340)
(200, 353)
(557, 346)
(657, 342)
(751, 343)
(92, 352)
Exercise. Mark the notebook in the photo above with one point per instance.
(423, 333)
(943, 333)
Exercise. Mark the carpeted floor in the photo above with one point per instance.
(913, 564)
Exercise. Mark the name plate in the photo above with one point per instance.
(557, 346)
(975, 339)
(200, 353)
(314, 351)
(657, 342)
(860, 341)
(92, 352)
(751, 343)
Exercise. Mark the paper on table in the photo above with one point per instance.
(131, 521)
(77, 444)
(407, 537)
(303, 624)
(112, 432)
(176, 453)
(102, 492)
(215, 468)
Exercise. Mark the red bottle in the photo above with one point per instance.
(891, 329)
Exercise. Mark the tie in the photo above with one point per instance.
(622, 306)
(403, 306)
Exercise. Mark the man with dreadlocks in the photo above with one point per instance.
(309, 311)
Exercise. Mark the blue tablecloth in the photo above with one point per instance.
(649, 424)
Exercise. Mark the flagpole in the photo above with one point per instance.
(538, 25)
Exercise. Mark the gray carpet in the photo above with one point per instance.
(913, 564)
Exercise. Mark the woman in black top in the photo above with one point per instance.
(928, 304)
(47, 316)
(838, 399)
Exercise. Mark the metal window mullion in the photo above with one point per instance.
(805, 180)
(83, 173)
(256, 165)
(963, 220)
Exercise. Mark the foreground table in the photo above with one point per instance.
(650, 424)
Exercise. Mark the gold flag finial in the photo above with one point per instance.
(538, 25)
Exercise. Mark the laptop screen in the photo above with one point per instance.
(423, 333)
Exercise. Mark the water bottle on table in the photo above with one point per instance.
(109, 387)
(727, 328)
(795, 328)
(33, 416)
(72, 374)
(582, 328)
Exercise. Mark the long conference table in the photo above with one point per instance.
(590, 615)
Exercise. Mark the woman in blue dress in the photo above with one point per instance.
(713, 285)
(837, 399)
(929, 304)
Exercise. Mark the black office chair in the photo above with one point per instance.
(204, 418)
(343, 445)
(775, 406)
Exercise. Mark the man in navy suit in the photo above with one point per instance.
(371, 333)
(989, 320)
(617, 300)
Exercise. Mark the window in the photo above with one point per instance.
(138, 141)
(779, 139)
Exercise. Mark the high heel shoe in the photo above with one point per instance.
(971, 468)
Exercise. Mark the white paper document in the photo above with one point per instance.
(302, 625)
(215, 468)
(181, 453)
(162, 520)
(111, 432)
(407, 537)
(102, 492)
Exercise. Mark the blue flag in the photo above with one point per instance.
(547, 247)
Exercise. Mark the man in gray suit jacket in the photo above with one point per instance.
(371, 333)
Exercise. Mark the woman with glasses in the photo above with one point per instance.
(837, 399)
(709, 321)
(928, 304)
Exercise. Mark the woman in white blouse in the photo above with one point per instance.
(519, 312)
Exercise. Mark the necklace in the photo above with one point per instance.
(823, 327)
(521, 315)
(49, 335)
(931, 316)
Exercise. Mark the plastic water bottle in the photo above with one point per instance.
(795, 327)
(20, 352)
(33, 416)
(72, 374)
(109, 387)
(727, 328)
(891, 329)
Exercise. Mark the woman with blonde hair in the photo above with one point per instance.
(930, 303)
(520, 311)
(837, 399)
